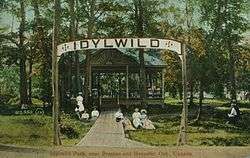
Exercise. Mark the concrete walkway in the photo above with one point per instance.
(106, 132)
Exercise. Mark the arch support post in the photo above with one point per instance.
(55, 74)
(182, 139)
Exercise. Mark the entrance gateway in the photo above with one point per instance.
(120, 43)
(112, 61)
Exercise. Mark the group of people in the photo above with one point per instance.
(82, 113)
(139, 120)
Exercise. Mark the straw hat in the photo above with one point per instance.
(143, 111)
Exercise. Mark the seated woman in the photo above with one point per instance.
(234, 115)
(119, 115)
(85, 116)
(127, 125)
(146, 123)
(94, 114)
(143, 115)
(137, 119)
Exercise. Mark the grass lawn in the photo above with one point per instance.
(36, 130)
(212, 130)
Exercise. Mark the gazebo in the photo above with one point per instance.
(115, 77)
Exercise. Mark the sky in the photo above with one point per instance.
(10, 22)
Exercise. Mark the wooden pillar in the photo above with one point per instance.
(90, 80)
(90, 99)
(152, 85)
(162, 83)
(142, 75)
(69, 68)
(99, 90)
(182, 140)
(55, 74)
(119, 89)
(127, 86)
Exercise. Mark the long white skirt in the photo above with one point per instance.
(137, 122)
(81, 107)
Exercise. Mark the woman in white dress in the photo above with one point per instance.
(146, 123)
(143, 116)
(79, 100)
(85, 116)
(94, 114)
(137, 118)
(118, 115)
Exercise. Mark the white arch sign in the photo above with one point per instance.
(132, 43)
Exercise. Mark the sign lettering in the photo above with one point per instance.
(130, 43)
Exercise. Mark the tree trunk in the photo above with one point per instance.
(77, 63)
(87, 87)
(201, 96)
(76, 18)
(182, 139)
(77, 72)
(73, 38)
(180, 91)
(23, 57)
(87, 81)
(23, 82)
(72, 19)
(140, 32)
(55, 75)
(191, 99)
(30, 82)
(232, 72)
(43, 49)
(188, 23)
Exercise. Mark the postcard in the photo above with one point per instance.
(124, 79)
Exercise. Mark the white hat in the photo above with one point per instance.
(143, 111)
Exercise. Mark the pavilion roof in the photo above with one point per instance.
(151, 57)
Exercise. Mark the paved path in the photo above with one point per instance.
(106, 132)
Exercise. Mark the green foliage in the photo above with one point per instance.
(9, 81)
(36, 130)
(26, 130)
(73, 129)
(222, 21)
(226, 24)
